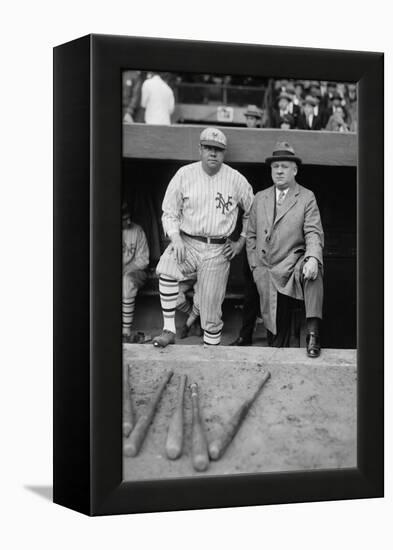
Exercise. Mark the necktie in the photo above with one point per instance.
(280, 198)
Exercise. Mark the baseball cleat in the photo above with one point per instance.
(195, 329)
(164, 339)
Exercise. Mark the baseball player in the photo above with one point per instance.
(200, 211)
(135, 262)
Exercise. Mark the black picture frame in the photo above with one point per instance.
(87, 275)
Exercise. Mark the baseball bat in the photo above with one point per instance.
(199, 451)
(128, 412)
(217, 446)
(174, 440)
(141, 427)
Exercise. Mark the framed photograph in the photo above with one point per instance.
(218, 321)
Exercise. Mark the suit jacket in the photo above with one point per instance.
(277, 247)
(295, 112)
(302, 123)
(277, 120)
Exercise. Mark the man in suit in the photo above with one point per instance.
(307, 119)
(284, 248)
(293, 108)
(284, 100)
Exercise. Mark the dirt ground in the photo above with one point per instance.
(303, 419)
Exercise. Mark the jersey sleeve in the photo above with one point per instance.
(172, 205)
(141, 256)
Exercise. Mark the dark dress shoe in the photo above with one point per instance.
(313, 344)
(240, 341)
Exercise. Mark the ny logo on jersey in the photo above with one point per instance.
(221, 202)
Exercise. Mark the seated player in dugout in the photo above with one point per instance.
(200, 209)
(135, 262)
(284, 248)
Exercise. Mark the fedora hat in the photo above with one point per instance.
(336, 95)
(284, 95)
(252, 110)
(283, 151)
(290, 88)
(311, 100)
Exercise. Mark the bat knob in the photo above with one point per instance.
(130, 450)
(200, 463)
(214, 450)
(173, 451)
(194, 388)
(127, 429)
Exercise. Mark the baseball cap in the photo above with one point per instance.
(213, 137)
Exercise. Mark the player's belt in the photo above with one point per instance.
(208, 240)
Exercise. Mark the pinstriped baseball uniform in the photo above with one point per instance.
(135, 261)
(198, 204)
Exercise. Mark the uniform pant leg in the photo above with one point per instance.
(132, 282)
(183, 303)
(212, 281)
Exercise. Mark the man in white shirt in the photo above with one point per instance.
(200, 211)
(157, 100)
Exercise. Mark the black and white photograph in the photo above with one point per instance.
(239, 288)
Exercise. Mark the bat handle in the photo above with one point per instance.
(174, 442)
(200, 456)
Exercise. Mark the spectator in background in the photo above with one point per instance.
(315, 88)
(351, 103)
(253, 117)
(307, 119)
(288, 122)
(157, 99)
(280, 86)
(336, 102)
(293, 108)
(284, 100)
(299, 93)
(331, 90)
(340, 89)
(323, 88)
(337, 122)
(132, 83)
